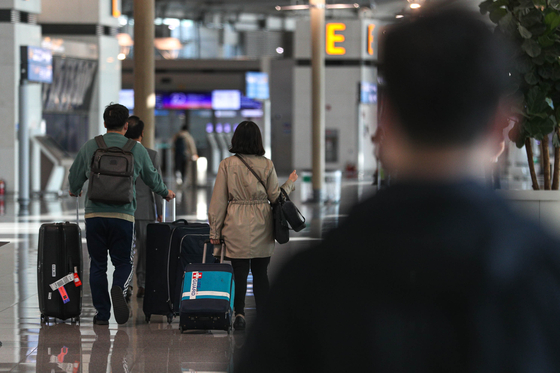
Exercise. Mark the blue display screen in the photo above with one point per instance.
(256, 85)
(39, 65)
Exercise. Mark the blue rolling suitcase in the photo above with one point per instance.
(207, 296)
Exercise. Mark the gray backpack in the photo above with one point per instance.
(112, 174)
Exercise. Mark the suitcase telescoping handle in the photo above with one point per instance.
(205, 247)
(173, 209)
(77, 210)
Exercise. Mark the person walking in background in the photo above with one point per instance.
(185, 151)
(449, 278)
(110, 227)
(241, 215)
(149, 206)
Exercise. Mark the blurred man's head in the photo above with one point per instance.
(135, 128)
(445, 75)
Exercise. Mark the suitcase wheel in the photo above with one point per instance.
(44, 319)
(148, 319)
(181, 329)
(169, 319)
(75, 320)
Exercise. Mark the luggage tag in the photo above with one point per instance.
(64, 294)
(77, 280)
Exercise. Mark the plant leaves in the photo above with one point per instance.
(531, 47)
(540, 59)
(525, 34)
(545, 72)
(554, 4)
(539, 127)
(523, 64)
(484, 6)
(517, 135)
(557, 114)
(497, 14)
(531, 78)
(534, 17)
(539, 3)
(552, 20)
(535, 101)
(545, 41)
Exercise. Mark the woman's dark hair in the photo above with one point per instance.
(247, 139)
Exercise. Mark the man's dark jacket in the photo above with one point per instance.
(419, 278)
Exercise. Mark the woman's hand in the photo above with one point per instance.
(293, 176)
(214, 241)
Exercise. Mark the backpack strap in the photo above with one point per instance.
(129, 145)
(102, 145)
(100, 142)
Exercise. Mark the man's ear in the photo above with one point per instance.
(125, 126)
(142, 133)
(104, 124)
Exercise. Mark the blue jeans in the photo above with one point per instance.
(115, 237)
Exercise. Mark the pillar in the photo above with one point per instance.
(144, 75)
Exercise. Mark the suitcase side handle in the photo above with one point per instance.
(206, 242)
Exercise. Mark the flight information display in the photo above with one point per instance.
(37, 64)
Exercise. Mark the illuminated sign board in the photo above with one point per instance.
(370, 39)
(36, 64)
(335, 39)
(115, 8)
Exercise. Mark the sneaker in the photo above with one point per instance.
(120, 306)
(239, 323)
(140, 292)
(99, 322)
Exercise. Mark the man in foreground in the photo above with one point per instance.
(110, 227)
(449, 279)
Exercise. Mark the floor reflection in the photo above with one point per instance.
(29, 346)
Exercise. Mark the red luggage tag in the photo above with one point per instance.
(77, 281)
(63, 352)
(63, 294)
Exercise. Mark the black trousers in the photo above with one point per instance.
(259, 268)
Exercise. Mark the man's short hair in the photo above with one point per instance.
(115, 116)
(445, 74)
(135, 127)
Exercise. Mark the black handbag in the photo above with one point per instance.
(281, 228)
(292, 214)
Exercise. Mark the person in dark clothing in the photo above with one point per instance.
(449, 278)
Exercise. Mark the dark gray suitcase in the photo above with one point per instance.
(59, 259)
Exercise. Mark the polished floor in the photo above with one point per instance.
(29, 346)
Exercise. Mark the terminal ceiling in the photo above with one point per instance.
(198, 10)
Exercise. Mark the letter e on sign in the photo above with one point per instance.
(333, 38)
(370, 39)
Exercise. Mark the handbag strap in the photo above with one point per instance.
(254, 173)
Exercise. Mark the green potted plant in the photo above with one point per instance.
(532, 25)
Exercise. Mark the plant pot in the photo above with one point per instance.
(541, 205)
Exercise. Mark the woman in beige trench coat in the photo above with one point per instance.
(241, 215)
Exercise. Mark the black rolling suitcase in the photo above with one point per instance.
(59, 271)
(169, 248)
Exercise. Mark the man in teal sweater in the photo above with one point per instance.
(110, 227)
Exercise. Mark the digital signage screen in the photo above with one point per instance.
(226, 100)
(36, 64)
(368, 93)
(256, 85)
(185, 101)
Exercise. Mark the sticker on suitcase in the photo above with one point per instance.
(208, 285)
